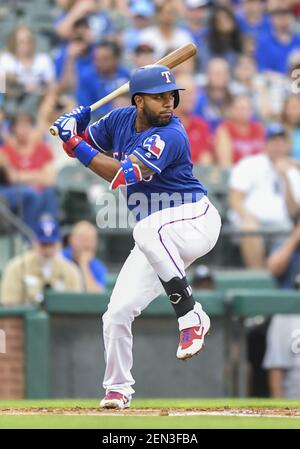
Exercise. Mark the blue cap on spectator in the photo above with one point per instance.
(274, 130)
(142, 8)
(47, 231)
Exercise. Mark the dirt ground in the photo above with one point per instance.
(220, 411)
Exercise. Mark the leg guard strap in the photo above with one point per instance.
(180, 295)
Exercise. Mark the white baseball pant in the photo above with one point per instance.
(166, 243)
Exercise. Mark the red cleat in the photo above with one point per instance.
(116, 400)
(192, 338)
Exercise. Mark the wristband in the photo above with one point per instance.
(120, 179)
(129, 172)
(85, 153)
(72, 143)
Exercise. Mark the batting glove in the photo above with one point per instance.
(83, 116)
(75, 122)
(66, 126)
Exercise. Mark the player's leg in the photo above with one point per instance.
(201, 235)
(172, 238)
(137, 285)
(172, 243)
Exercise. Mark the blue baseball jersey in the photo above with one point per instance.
(164, 149)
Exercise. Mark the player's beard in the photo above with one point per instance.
(154, 119)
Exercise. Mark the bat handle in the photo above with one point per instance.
(53, 130)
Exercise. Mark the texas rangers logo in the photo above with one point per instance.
(155, 145)
(166, 75)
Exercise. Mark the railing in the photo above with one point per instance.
(13, 220)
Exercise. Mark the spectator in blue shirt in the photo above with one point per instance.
(197, 15)
(69, 12)
(142, 13)
(103, 77)
(284, 262)
(281, 357)
(252, 19)
(82, 250)
(273, 48)
(74, 57)
(215, 97)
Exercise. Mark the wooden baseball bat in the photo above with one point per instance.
(171, 60)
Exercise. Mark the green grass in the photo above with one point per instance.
(147, 422)
(155, 403)
(150, 422)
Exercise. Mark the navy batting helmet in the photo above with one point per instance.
(153, 79)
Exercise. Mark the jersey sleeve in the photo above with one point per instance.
(161, 149)
(100, 133)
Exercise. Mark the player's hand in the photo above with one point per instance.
(283, 165)
(84, 258)
(73, 123)
(249, 222)
(82, 114)
(66, 126)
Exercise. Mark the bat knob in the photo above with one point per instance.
(53, 130)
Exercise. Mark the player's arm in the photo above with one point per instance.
(118, 173)
(146, 171)
(107, 168)
(78, 143)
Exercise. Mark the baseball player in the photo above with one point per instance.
(144, 150)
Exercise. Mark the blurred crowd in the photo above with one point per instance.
(49, 266)
(245, 79)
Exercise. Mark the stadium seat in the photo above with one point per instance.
(76, 177)
(246, 303)
(215, 179)
(248, 279)
(213, 176)
(73, 185)
(230, 279)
